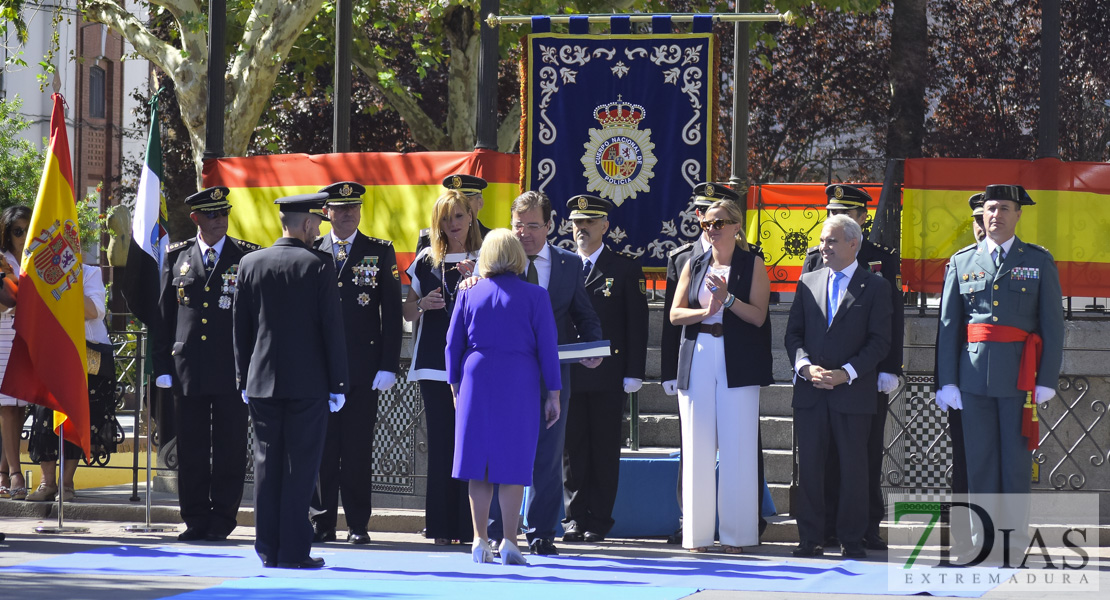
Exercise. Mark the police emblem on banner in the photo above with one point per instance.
(618, 159)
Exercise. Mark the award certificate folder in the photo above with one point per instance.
(569, 353)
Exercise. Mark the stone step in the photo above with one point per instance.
(663, 430)
(778, 432)
(778, 466)
(774, 400)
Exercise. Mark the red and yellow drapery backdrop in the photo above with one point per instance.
(1071, 218)
(400, 189)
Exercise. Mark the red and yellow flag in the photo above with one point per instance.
(47, 364)
(400, 189)
(1069, 219)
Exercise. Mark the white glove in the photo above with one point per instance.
(245, 399)
(670, 387)
(336, 401)
(384, 380)
(1044, 394)
(887, 382)
(949, 397)
(631, 384)
(164, 381)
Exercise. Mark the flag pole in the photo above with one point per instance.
(61, 479)
(144, 400)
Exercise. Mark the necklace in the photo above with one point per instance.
(450, 294)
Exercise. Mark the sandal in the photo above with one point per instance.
(442, 542)
(17, 493)
(698, 549)
(732, 549)
(5, 488)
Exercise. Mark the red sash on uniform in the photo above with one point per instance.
(1027, 373)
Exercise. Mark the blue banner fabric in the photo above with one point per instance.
(661, 24)
(629, 118)
(620, 25)
(579, 25)
(541, 24)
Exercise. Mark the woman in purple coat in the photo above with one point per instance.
(500, 343)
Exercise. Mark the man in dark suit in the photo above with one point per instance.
(370, 292)
(199, 277)
(617, 290)
(471, 187)
(560, 272)
(837, 333)
(999, 296)
(852, 201)
(290, 366)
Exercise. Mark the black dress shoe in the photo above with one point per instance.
(543, 547)
(808, 550)
(191, 534)
(308, 563)
(571, 533)
(324, 535)
(358, 536)
(593, 538)
(874, 542)
(212, 536)
(853, 550)
(831, 541)
(676, 537)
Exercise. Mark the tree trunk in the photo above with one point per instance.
(909, 62)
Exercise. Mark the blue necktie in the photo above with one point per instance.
(586, 266)
(834, 298)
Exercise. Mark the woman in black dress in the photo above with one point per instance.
(435, 277)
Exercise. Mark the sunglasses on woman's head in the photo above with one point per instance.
(716, 224)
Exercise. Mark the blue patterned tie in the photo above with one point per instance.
(998, 258)
(586, 266)
(834, 298)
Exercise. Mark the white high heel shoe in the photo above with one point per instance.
(481, 551)
(510, 554)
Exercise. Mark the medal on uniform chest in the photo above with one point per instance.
(875, 266)
(181, 297)
(225, 302)
(608, 287)
(230, 277)
(366, 271)
(184, 267)
(363, 299)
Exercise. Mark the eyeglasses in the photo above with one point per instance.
(716, 224)
(18, 231)
(531, 227)
(214, 214)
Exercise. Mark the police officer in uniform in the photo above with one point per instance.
(370, 292)
(998, 294)
(471, 186)
(704, 195)
(199, 279)
(616, 287)
(852, 201)
(291, 367)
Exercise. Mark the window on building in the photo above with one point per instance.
(96, 93)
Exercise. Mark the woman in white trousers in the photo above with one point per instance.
(721, 300)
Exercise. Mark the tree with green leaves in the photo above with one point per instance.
(21, 161)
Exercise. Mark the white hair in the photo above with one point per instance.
(847, 226)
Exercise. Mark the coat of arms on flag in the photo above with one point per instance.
(61, 260)
(630, 118)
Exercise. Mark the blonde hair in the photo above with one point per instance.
(735, 213)
(501, 253)
(445, 205)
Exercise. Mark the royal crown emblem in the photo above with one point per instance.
(217, 194)
(618, 160)
(345, 191)
(59, 263)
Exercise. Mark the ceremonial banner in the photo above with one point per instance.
(785, 219)
(400, 189)
(1071, 218)
(149, 235)
(629, 118)
(47, 364)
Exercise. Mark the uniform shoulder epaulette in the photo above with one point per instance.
(245, 245)
(681, 249)
(182, 244)
(888, 250)
(627, 255)
(426, 232)
(385, 242)
(1041, 248)
(813, 249)
(966, 248)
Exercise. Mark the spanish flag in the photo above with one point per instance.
(47, 364)
(1069, 219)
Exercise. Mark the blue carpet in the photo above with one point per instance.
(679, 574)
(277, 588)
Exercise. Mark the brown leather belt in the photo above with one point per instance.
(715, 330)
